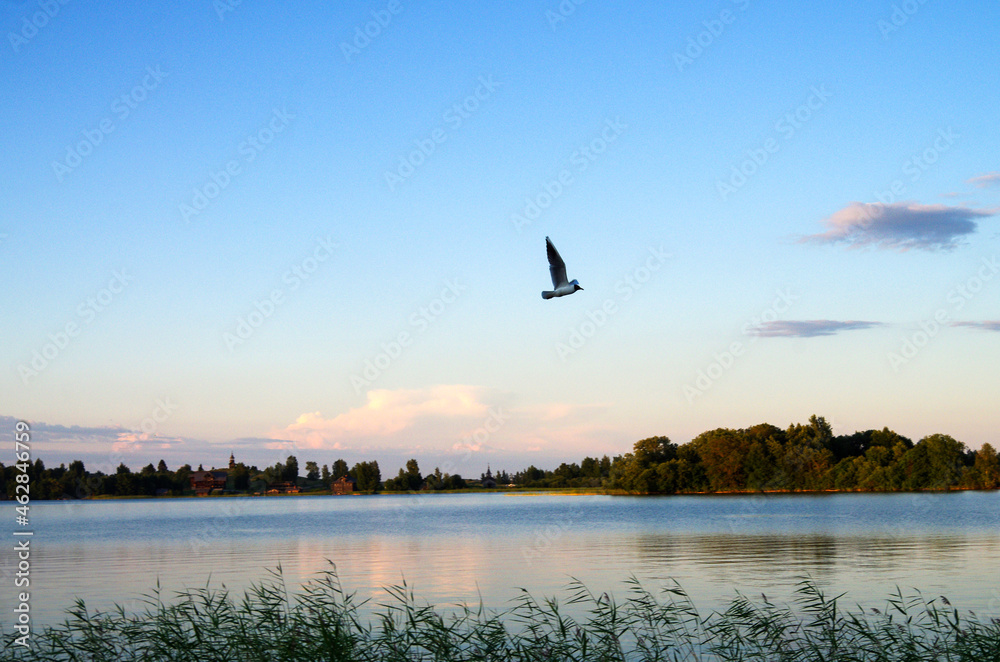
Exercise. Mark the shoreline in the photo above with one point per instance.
(518, 491)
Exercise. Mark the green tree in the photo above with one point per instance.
(590, 467)
(846, 473)
(568, 472)
(312, 470)
(817, 433)
(886, 438)
(453, 482)
(935, 462)
(605, 466)
(367, 476)
(435, 481)
(397, 484)
(808, 462)
(623, 474)
(182, 478)
(339, 469)
(678, 475)
(239, 478)
(413, 478)
(986, 468)
(325, 474)
(73, 482)
(124, 484)
(722, 453)
(530, 477)
(290, 473)
(879, 469)
(274, 474)
(806, 467)
(857, 444)
(653, 450)
(639, 471)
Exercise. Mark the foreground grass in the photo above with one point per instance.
(323, 622)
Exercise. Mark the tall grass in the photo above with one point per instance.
(321, 621)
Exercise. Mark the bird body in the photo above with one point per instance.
(557, 268)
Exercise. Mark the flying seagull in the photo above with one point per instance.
(558, 270)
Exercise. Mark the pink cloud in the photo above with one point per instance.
(126, 445)
(387, 414)
(451, 419)
(985, 181)
(901, 226)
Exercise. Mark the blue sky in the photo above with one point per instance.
(216, 218)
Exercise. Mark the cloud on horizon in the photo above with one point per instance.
(988, 325)
(387, 413)
(988, 180)
(809, 328)
(457, 426)
(901, 226)
(102, 447)
(448, 420)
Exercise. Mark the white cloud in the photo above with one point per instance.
(387, 414)
(450, 419)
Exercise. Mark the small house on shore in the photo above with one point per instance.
(343, 485)
(203, 482)
(289, 487)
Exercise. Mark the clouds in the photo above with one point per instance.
(452, 425)
(450, 421)
(901, 226)
(813, 328)
(455, 427)
(387, 413)
(990, 325)
(809, 328)
(990, 179)
(103, 447)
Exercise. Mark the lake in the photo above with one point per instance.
(454, 548)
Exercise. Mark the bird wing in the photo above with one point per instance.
(556, 265)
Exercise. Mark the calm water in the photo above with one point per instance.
(455, 548)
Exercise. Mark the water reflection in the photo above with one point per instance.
(462, 548)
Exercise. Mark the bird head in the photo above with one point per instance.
(576, 285)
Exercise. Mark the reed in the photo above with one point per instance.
(321, 621)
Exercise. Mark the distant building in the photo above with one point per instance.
(343, 485)
(288, 487)
(203, 482)
(487, 479)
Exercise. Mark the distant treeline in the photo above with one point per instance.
(760, 458)
(75, 482)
